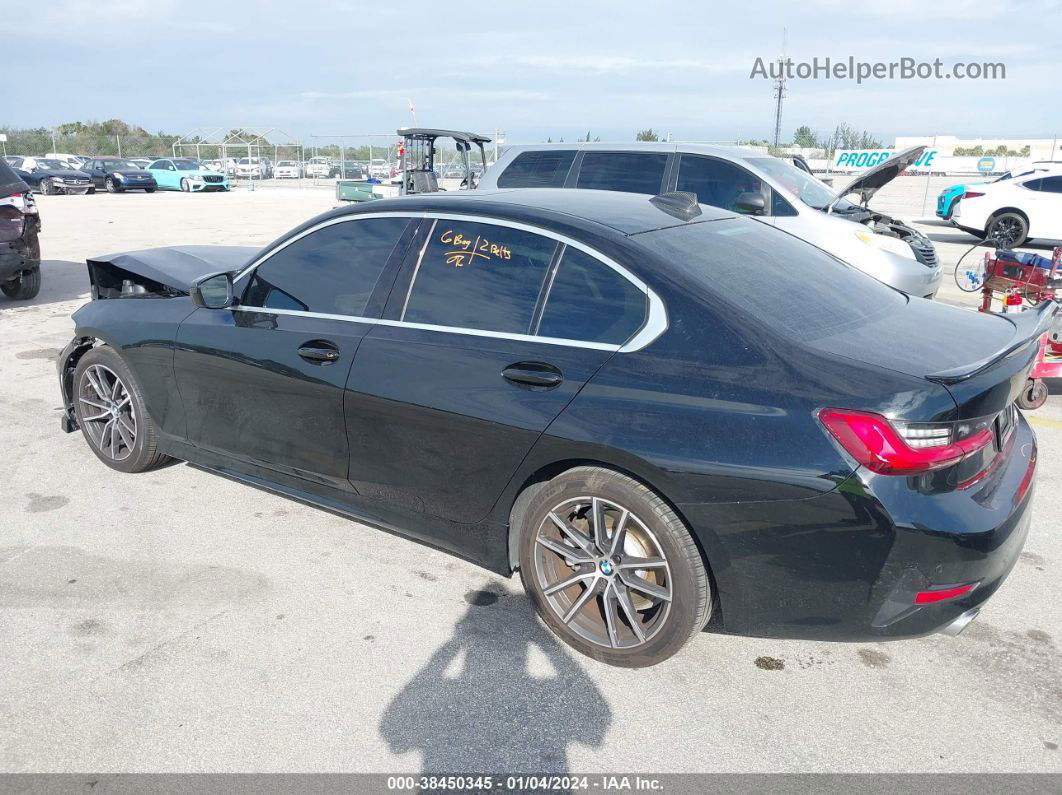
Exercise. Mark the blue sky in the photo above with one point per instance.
(532, 69)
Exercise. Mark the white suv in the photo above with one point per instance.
(770, 189)
(1015, 210)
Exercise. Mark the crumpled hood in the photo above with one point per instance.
(179, 266)
(868, 183)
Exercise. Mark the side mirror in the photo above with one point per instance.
(12, 223)
(213, 291)
(752, 203)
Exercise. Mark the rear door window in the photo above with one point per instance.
(717, 182)
(630, 172)
(592, 302)
(1051, 185)
(538, 169)
(332, 270)
(479, 276)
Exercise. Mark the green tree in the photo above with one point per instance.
(648, 134)
(805, 137)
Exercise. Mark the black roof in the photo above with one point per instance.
(627, 213)
(428, 132)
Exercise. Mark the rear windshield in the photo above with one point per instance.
(801, 290)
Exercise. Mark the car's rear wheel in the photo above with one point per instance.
(611, 568)
(110, 411)
(1008, 229)
(24, 287)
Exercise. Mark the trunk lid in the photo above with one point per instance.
(983, 360)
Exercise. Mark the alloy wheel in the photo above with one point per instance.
(107, 412)
(603, 572)
(109, 184)
(1007, 231)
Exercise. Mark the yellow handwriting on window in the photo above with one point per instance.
(463, 251)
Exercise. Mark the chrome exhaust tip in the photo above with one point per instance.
(960, 623)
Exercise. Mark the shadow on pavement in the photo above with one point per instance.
(61, 280)
(500, 696)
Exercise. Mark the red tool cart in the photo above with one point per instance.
(1023, 281)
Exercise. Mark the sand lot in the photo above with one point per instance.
(177, 621)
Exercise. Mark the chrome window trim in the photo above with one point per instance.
(656, 321)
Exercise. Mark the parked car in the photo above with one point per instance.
(48, 176)
(142, 162)
(116, 175)
(380, 169)
(15, 161)
(185, 174)
(20, 248)
(772, 190)
(288, 169)
(348, 169)
(319, 167)
(594, 389)
(72, 161)
(1015, 211)
(253, 168)
(950, 196)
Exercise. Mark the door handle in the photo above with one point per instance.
(319, 352)
(533, 374)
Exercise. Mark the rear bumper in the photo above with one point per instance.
(848, 565)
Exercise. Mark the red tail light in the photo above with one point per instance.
(940, 594)
(972, 194)
(906, 448)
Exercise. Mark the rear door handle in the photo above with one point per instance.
(319, 352)
(533, 374)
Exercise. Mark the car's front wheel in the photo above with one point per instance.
(1008, 229)
(111, 186)
(45, 187)
(110, 411)
(186, 186)
(611, 568)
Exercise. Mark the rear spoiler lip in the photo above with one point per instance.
(1030, 326)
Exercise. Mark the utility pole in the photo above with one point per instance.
(499, 138)
(779, 93)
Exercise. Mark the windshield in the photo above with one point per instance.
(120, 164)
(799, 274)
(187, 165)
(56, 164)
(808, 189)
(286, 163)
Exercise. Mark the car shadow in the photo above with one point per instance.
(500, 695)
(61, 280)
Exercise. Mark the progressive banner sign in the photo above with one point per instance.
(861, 159)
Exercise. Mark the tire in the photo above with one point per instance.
(185, 186)
(1033, 395)
(45, 187)
(149, 190)
(1009, 229)
(110, 186)
(92, 190)
(669, 597)
(24, 287)
(131, 444)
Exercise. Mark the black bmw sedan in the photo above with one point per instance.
(662, 415)
(116, 175)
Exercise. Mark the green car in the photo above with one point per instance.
(186, 174)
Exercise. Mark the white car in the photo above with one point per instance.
(250, 167)
(287, 169)
(1014, 210)
(380, 169)
(319, 167)
(768, 189)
